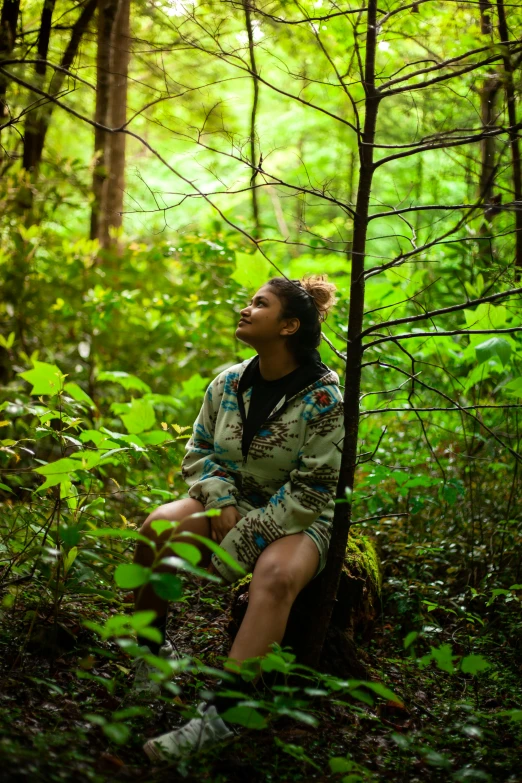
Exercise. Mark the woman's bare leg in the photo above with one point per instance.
(280, 573)
(146, 598)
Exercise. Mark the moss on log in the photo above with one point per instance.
(355, 612)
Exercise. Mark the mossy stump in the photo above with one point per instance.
(354, 615)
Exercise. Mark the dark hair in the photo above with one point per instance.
(309, 299)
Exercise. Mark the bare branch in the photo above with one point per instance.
(439, 408)
(441, 311)
(409, 335)
(456, 406)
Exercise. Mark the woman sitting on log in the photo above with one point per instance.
(266, 451)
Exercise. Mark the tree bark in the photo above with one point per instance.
(488, 93)
(118, 115)
(253, 116)
(58, 78)
(33, 136)
(509, 87)
(8, 24)
(107, 10)
(322, 611)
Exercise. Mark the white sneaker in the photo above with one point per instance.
(143, 686)
(208, 730)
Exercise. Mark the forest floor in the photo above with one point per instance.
(450, 725)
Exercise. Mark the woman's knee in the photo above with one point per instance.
(146, 529)
(176, 511)
(272, 580)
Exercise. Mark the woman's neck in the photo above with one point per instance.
(275, 366)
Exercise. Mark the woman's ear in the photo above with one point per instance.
(291, 327)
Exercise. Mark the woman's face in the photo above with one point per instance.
(261, 321)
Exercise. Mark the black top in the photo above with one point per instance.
(266, 394)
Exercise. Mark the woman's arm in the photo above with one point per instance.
(297, 504)
(209, 482)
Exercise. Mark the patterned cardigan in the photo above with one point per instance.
(287, 481)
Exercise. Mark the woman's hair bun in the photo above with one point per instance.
(322, 292)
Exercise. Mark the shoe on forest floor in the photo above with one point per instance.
(143, 687)
(201, 732)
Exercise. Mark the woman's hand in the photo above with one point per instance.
(220, 526)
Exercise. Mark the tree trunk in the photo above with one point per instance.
(58, 78)
(321, 614)
(253, 116)
(356, 609)
(118, 116)
(509, 87)
(34, 134)
(8, 23)
(107, 10)
(488, 93)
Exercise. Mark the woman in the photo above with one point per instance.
(266, 451)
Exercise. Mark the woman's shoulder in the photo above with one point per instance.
(230, 374)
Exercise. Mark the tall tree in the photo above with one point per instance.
(39, 118)
(514, 130)
(107, 12)
(33, 137)
(120, 49)
(253, 114)
(8, 24)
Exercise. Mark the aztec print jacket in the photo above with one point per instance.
(287, 481)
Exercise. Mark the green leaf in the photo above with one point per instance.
(69, 559)
(45, 378)
(57, 472)
(142, 618)
(409, 639)
(252, 270)
(124, 379)
(132, 712)
(304, 717)
(400, 477)
(117, 732)
(215, 548)
(515, 714)
(140, 417)
(69, 493)
(382, 690)
(195, 386)
(167, 586)
(131, 575)
(493, 348)
(245, 716)
(78, 394)
(161, 525)
(275, 663)
(297, 752)
(70, 534)
(514, 387)
(338, 764)
(184, 565)
(88, 459)
(5, 488)
(472, 664)
(60, 467)
(109, 532)
(443, 657)
(7, 343)
(362, 696)
(187, 552)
